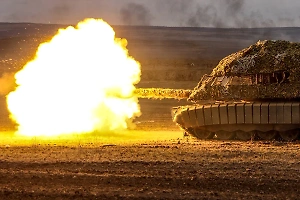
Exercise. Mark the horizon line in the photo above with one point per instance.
(158, 26)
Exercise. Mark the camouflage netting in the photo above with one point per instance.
(242, 92)
(262, 57)
(265, 58)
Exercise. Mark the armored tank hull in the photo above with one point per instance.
(240, 120)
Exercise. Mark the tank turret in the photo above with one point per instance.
(265, 70)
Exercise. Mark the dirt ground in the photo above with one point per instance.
(169, 169)
(154, 160)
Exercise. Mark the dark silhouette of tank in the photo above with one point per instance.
(251, 93)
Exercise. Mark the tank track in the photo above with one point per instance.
(240, 120)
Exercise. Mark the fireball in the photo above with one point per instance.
(81, 81)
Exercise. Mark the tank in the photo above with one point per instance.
(253, 93)
(250, 94)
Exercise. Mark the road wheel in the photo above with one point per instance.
(225, 135)
(188, 131)
(203, 134)
(244, 136)
(269, 135)
(290, 135)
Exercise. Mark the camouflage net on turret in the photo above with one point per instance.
(257, 64)
(262, 57)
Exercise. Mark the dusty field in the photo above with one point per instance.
(154, 161)
(170, 169)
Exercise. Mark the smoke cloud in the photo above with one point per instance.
(198, 13)
(135, 14)
(234, 14)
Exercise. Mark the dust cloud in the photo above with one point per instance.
(7, 83)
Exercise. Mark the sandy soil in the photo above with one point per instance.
(154, 161)
(170, 169)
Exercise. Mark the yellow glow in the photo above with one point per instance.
(80, 82)
(127, 137)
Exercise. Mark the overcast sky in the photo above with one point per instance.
(200, 13)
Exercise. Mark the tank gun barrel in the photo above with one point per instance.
(162, 93)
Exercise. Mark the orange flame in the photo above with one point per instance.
(81, 81)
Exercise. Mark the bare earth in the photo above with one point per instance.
(155, 160)
(153, 170)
